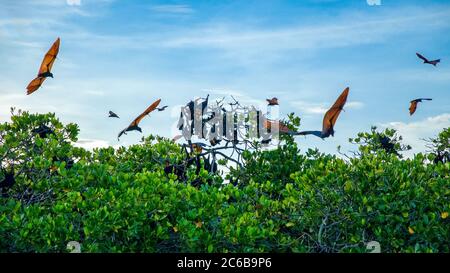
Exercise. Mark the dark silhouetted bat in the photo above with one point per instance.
(198, 147)
(330, 118)
(205, 104)
(7, 182)
(426, 61)
(413, 105)
(162, 108)
(44, 70)
(387, 145)
(214, 141)
(135, 124)
(113, 115)
(43, 131)
(272, 101)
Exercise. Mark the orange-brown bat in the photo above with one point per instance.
(413, 105)
(198, 147)
(272, 101)
(44, 70)
(135, 124)
(330, 117)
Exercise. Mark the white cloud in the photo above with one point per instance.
(354, 105)
(90, 144)
(94, 93)
(73, 2)
(179, 9)
(322, 108)
(415, 132)
(309, 107)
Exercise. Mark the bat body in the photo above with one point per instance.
(45, 69)
(7, 182)
(413, 105)
(426, 61)
(215, 141)
(43, 131)
(134, 125)
(162, 108)
(329, 120)
(272, 101)
(198, 147)
(45, 74)
(113, 115)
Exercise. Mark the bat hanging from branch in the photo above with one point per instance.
(329, 120)
(134, 125)
(45, 69)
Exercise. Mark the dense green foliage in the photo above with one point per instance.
(123, 201)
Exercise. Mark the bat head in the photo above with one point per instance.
(139, 129)
(272, 101)
(50, 74)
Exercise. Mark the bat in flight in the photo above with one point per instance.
(113, 115)
(272, 101)
(426, 61)
(44, 70)
(162, 108)
(134, 125)
(329, 120)
(413, 105)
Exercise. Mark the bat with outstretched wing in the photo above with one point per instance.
(45, 69)
(134, 125)
(330, 118)
(426, 61)
(413, 105)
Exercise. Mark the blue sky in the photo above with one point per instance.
(123, 55)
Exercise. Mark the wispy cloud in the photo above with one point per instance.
(354, 105)
(322, 108)
(343, 33)
(73, 2)
(90, 144)
(175, 9)
(94, 93)
(309, 108)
